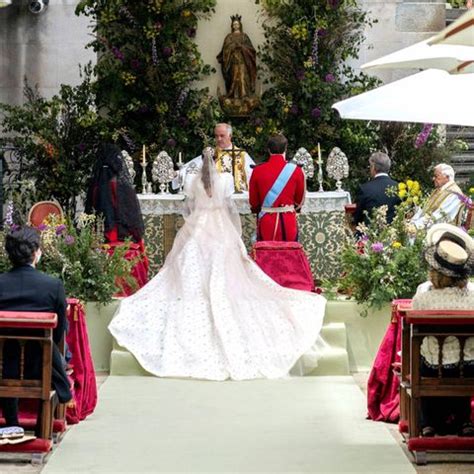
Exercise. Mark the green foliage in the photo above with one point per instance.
(147, 64)
(305, 64)
(386, 262)
(57, 139)
(80, 257)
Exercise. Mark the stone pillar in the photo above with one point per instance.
(421, 17)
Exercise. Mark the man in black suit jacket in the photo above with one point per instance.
(374, 193)
(26, 289)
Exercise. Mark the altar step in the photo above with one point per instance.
(334, 360)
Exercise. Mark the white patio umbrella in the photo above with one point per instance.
(461, 32)
(431, 96)
(451, 50)
(452, 58)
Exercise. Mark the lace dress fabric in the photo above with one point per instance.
(211, 313)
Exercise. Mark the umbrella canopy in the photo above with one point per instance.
(431, 96)
(452, 58)
(461, 32)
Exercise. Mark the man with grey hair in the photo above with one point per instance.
(444, 204)
(373, 194)
(228, 159)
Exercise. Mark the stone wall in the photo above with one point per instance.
(45, 48)
(401, 23)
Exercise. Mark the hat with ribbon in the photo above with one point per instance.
(450, 250)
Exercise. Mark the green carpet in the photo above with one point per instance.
(301, 424)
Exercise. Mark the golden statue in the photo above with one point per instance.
(239, 68)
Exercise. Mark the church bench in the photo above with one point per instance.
(418, 324)
(27, 327)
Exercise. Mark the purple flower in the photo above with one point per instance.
(191, 32)
(81, 147)
(423, 135)
(158, 25)
(128, 141)
(42, 227)
(167, 52)
(9, 214)
(69, 239)
(315, 48)
(258, 122)
(183, 121)
(377, 247)
(333, 3)
(154, 52)
(299, 74)
(117, 53)
(135, 64)
(322, 32)
(171, 142)
(14, 227)
(60, 229)
(329, 77)
(316, 112)
(294, 110)
(364, 237)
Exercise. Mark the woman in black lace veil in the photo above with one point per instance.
(111, 195)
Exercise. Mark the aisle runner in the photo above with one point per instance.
(307, 424)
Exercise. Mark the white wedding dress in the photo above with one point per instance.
(211, 312)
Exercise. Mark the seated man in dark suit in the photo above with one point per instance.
(24, 288)
(374, 193)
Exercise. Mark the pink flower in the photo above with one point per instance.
(69, 240)
(60, 229)
(377, 247)
(42, 227)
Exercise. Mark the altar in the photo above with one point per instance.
(321, 227)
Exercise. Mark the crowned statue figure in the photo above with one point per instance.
(239, 68)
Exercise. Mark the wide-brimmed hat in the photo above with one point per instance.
(450, 250)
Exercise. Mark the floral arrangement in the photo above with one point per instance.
(79, 256)
(147, 65)
(385, 262)
(55, 141)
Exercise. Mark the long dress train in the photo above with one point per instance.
(211, 312)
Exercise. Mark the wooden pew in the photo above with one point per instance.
(417, 325)
(26, 327)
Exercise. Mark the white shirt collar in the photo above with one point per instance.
(380, 174)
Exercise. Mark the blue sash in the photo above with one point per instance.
(277, 187)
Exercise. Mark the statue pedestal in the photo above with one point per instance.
(238, 107)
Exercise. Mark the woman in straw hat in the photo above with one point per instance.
(450, 256)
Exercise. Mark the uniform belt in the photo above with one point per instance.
(278, 210)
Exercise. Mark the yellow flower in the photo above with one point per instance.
(259, 129)
(402, 186)
(286, 110)
(402, 193)
(396, 245)
(409, 183)
(416, 199)
(186, 13)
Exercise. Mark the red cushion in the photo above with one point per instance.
(441, 443)
(26, 319)
(38, 445)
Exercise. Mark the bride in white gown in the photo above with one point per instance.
(211, 312)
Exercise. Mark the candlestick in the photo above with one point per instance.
(180, 158)
(320, 170)
(319, 155)
(143, 156)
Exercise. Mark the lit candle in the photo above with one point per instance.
(143, 157)
(319, 155)
(180, 159)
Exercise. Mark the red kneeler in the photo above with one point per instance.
(284, 262)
